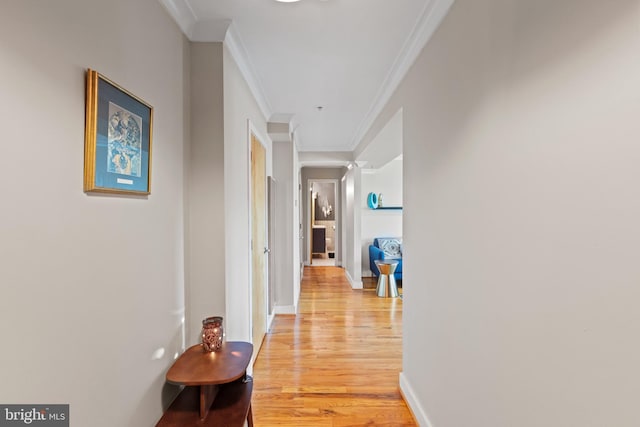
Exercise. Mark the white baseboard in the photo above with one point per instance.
(285, 309)
(354, 284)
(412, 402)
(270, 318)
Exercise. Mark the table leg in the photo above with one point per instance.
(207, 395)
(250, 417)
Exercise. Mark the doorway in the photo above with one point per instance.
(322, 214)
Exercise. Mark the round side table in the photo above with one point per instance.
(387, 281)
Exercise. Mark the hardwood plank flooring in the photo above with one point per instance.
(334, 364)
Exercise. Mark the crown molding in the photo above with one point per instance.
(429, 21)
(219, 31)
(182, 13)
(239, 54)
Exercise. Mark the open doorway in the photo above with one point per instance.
(322, 214)
(381, 189)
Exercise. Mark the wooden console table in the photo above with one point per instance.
(217, 390)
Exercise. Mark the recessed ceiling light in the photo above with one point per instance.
(287, 1)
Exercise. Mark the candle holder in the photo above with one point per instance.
(212, 333)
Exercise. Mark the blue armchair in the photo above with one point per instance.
(386, 248)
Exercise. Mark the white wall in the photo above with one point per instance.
(287, 233)
(380, 223)
(240, 107)
(352, 227)
(92, 285)
(206, 226)
(521, 128)
(297, 233)
(284, 249)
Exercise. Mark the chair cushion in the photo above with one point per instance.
(392, 247)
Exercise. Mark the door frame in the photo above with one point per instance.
(252, 130)
(309, 208)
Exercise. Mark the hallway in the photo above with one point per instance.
(334, 364)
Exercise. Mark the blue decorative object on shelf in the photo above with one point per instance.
(372, 200)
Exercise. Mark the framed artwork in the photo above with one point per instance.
(117, 141)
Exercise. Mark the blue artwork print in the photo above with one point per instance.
(124, 155)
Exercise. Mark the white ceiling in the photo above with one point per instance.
(346, 56)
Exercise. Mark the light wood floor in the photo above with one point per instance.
(334, 364)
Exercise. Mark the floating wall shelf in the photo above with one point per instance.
(373, 201)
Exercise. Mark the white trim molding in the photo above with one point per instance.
(412, 402)
(270, 319)
(233, 41)
(252, 130)
(285, 309)
(354, 284)
(182, 13)
(430, 19)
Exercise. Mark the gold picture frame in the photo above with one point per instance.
(118, 139)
